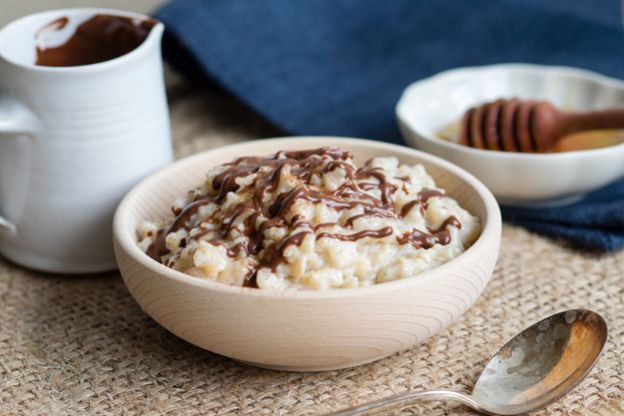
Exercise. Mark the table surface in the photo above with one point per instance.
(81, 345)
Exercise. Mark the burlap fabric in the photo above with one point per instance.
(81, 345)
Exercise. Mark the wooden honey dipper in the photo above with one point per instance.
(529, 126)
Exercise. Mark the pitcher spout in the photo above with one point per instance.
(154, 38)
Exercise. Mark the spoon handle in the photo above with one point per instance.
(404, 399)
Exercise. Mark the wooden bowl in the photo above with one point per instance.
(304, 330)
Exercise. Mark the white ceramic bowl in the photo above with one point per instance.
(304, 330)
(431, 104)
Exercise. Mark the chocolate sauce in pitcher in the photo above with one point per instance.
(100, 38)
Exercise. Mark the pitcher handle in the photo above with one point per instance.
(15, 119)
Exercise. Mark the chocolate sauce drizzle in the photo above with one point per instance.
(252, 217)
(441, 235)
(420, 201)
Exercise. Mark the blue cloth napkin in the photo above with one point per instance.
(338, 67)
(596, 222)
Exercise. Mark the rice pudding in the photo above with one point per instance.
(311, 220)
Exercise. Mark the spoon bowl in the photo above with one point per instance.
(533, 369)
(542, 363)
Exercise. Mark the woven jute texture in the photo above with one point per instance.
(81, 345)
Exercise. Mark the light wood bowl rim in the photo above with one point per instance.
(126, 238)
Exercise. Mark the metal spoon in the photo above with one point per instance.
(535, 368)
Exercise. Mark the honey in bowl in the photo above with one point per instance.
(585, 140)
(589, 140)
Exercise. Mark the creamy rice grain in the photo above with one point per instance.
(311, 220)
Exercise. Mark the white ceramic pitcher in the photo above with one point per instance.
(73, 141)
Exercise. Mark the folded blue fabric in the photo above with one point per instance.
(596, 222)
(338, 67)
